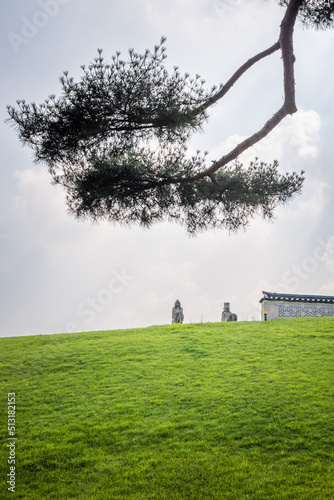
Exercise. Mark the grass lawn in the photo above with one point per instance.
(203, 411)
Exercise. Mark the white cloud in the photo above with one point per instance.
(298, 136)
(313, 204)
(293, 142)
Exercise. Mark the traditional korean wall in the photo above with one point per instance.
(290, 309)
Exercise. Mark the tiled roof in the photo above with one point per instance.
(297, 298)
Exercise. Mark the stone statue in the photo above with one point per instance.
(177, 313)
(227, 315)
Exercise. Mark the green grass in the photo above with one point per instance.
(208, 411)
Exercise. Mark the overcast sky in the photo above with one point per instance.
(61, 275)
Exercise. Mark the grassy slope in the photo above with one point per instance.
(207, 411)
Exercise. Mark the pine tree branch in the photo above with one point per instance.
(289, 106)
(285, 43)
(234, 153)
(288, 57)
(96, 141)
(235, 77)
(250, 141)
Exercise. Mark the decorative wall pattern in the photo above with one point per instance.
(293, 310)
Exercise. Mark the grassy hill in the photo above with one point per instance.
(203, 411)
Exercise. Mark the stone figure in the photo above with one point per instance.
(177, 313)
(227, 315)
